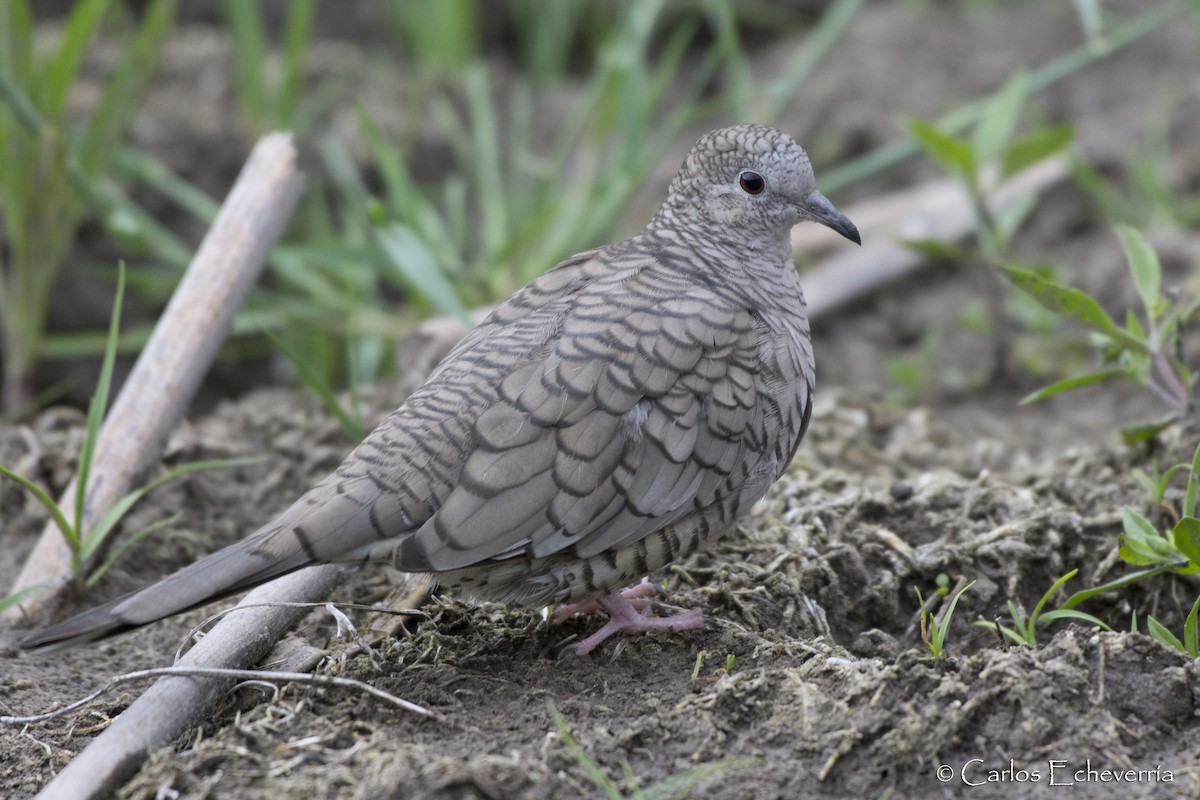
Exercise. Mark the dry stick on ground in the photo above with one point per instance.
(173, 705)
(158, 390)
(153, 400)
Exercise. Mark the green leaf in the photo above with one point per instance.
(68, 531)
(10, 600)
(1146, 270)
(1189, 499)
(999, 118)
(1067, 300)
(409, 255)
(1191, 629)
(1140, 543)
(1133, 324)
(1137, 527)
(1064, 613)
(1159, 632)
(1120, 583)
(1136, 554)
(1034, 147)
(1077, 382)
(954, 155)
(1186, 538)
(939, 634)
(937, 249)
(1054, 587)
(1137, 434)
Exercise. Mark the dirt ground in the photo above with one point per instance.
(811, 679)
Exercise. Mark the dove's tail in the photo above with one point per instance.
(283, 546)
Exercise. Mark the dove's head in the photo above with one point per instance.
(754, 180)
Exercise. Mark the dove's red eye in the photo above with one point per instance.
(752, 182)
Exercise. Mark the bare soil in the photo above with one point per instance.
(811, 679)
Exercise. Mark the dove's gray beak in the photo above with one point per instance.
(824, 212)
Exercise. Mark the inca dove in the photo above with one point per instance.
(616, 414)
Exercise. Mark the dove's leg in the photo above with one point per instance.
(628, 613)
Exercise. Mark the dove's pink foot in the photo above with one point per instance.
(637, 595)
(628, 613)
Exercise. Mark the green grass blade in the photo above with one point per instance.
(590, 767)
(1062, 613)
(486, 163)
(69, 532)
(16, 41)
(1058, 584)
(99, 402)
(1189, 499)
(10, 600)
(417, 266)
(95, 538)
(125, 546)
(61, 72)
(681, 783)
(1120, 583)
(1159, 632)
(297, 36)
(781, 91)
(351, 425)
(249, 59)
(126, 87)
(154, 174)
(21, 106)
(1076, 382)
(948, 615)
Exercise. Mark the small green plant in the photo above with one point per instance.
(1191, 628)
(86, 545)
(933, 631)
(1024, 629)
(269, 104)
(1154, 482)
(980, 161)
(677, 785)
(53, 166)
(1177, 550)
(1146, 350)
(1143, 545)
(727, 669)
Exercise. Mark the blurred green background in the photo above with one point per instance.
(455, 149)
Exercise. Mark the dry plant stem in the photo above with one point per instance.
(174, 704)
(183, 345)
(258, 677)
